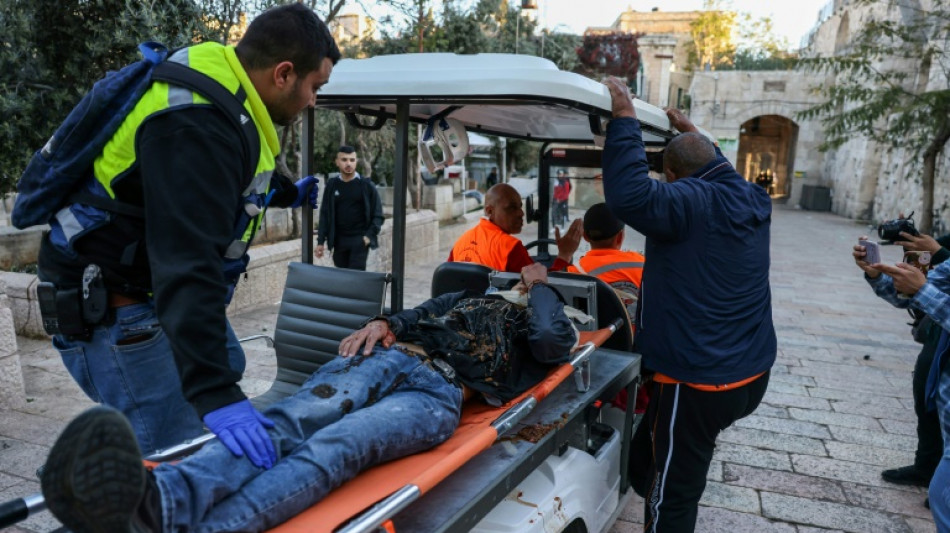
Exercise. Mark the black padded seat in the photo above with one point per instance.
(456, 276)
(320, 307)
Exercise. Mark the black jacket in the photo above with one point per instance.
(372, 208)
(496, 347)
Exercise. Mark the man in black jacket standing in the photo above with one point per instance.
(351, 215)
(164, 354)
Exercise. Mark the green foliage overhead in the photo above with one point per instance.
(713, 33)
(882, 87)
(485, 26)
(52, 51)
(723, 39)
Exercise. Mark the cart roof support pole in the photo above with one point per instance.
(400, 192)
(306, 213)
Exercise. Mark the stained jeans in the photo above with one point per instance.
(351, 414)
(940, 484)
(129, 365)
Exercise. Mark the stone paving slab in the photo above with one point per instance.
(836, 413)
(829, 515)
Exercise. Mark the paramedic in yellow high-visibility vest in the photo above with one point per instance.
(165, 354)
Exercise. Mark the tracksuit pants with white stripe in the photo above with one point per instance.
(674, 445)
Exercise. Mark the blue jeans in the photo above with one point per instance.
(351, 414)
(129, 366)
(940, 484)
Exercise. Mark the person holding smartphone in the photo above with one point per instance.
(929, 294)
(929, 441)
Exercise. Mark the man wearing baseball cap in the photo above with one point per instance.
(605, 260)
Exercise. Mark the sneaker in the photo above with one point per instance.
(906, 475)
(94, 480)
(927, 502)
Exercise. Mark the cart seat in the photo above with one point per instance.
(320, 307)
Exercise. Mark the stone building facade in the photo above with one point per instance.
(753, 116)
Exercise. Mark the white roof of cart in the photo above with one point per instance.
(501, 94)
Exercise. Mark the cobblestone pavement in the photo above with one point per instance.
(837, 412)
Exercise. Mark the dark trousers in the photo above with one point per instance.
(350, 252)
(559, 213)
(674, 445)
(929, 440)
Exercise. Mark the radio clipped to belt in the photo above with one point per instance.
(74, 312)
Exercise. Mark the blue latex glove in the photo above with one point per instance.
(241, 429)
(302, 185)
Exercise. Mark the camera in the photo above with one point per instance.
(890, 230)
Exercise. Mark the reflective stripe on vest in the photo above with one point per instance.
(615, 266)
(611, 266)
(485, 244)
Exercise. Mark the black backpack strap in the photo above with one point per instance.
(231, 104)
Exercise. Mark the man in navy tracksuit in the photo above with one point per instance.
(704, 320)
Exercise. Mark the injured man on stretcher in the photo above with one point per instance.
(396, 389)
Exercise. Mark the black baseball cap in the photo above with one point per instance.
(600, 223)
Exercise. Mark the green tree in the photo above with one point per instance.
(51, 52)
(723, 39)
(713, 37)
(487, 26)
(882, 89)
(759, 48)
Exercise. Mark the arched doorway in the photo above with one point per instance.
(767, 152)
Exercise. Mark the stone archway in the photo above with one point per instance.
(767, 152)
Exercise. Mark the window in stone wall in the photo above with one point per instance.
(773, 86)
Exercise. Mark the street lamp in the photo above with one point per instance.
(525, 4)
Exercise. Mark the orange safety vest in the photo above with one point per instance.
(485, 244)
(611, 265)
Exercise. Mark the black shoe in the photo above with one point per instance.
(94, 480)
(906, 475)
(927, 502)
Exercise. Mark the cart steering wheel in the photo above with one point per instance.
(547, 259)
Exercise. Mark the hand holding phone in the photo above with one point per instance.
(872, 251)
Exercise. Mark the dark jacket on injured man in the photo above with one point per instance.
(496, 347)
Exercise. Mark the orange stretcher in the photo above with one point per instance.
(378, 493)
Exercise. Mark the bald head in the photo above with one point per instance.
(686, 154)
(498, 192)
(503, 207)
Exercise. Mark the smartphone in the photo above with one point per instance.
(873, 251)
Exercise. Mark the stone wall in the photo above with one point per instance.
(871, 181)
(11, 376)
(723, 101)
